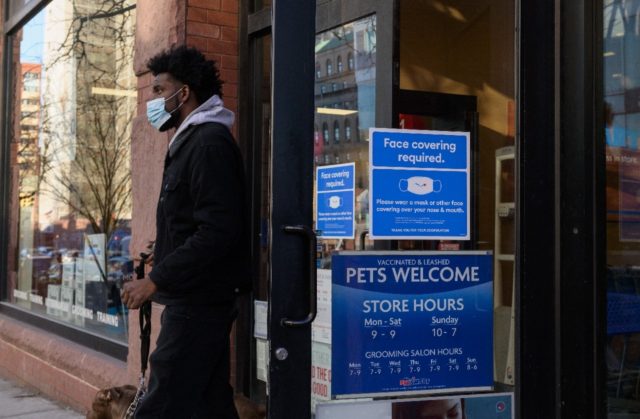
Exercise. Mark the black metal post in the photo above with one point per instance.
(293, 65)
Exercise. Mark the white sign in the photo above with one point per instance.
(320, 373)
(321, 327)
(260, 315)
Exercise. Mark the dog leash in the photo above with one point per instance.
(145, 342)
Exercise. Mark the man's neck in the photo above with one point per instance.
(186, 110)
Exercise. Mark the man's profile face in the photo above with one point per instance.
(441, 409)
(164, 85)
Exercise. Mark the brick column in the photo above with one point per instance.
(212, 27)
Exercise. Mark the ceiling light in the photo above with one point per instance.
(113, 92)
(335, 111)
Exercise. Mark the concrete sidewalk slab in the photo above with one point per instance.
(21, 402)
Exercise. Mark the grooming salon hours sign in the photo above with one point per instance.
(419, 184)
(410, 322)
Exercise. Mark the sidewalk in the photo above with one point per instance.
(24, 403)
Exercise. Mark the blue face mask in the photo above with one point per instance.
(156, 113)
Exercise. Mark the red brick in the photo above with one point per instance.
(206, 4)
(203, 29)
(196, 14)
(230, 76)
(217, 58)
(230, 90)
(230, 102)
(221, 47)
(197, 42)
(229, 34)
(214, 57)
(229, 61)
(223, 18)
(230, 6)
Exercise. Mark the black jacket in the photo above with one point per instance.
(200, 252)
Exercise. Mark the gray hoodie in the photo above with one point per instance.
(212, 110)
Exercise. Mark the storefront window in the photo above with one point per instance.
(73, 104)
(471, 61)
(332, 109)
(622, 131)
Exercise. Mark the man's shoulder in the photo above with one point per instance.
(211, 133)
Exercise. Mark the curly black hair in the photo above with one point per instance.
(189, 66)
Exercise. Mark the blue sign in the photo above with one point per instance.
(413, 149)
(411, 322)
(419, 184)
(335, 197)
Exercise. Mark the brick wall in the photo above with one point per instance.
(212, 27)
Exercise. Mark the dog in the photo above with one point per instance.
(112, 403)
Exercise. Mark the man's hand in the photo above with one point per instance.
(136, 292)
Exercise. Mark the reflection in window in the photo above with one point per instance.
(325, 132)
(347, 110)
(318, 71)
(622, 134)
(75, 99)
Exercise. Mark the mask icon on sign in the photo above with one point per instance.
(334, 202)
(420, 185)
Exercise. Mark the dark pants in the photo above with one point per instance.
(190, 366)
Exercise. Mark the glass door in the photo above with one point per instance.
(622, 132)
(286, 251)
(315, 98)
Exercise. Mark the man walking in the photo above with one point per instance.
(199, 248)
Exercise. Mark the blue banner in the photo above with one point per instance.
(335, 195)
(419, 185)
(413, 149)
(411, 322)
(440, 214)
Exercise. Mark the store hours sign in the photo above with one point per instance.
(411, 322)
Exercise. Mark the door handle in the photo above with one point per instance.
(313, 280)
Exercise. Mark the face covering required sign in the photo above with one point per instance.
(419, 184)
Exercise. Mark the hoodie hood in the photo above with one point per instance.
(212, 110)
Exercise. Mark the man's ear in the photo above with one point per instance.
(186, 93)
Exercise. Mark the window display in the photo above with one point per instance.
(74, 100)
